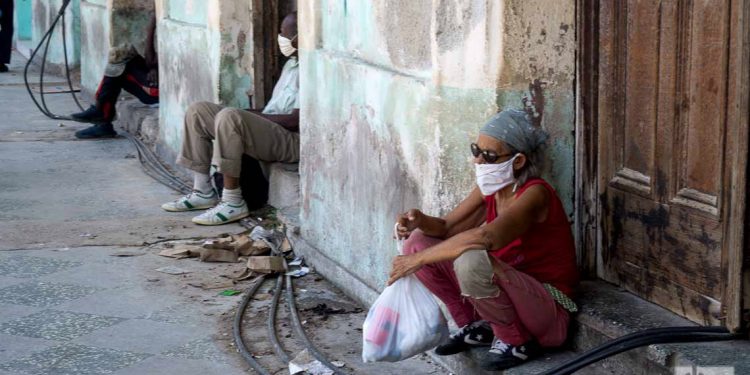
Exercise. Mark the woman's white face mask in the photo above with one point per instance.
(285, 45)
(493, 177)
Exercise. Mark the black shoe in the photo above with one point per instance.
(471, 335)
(503, 356)
(97, 131)
(3, 68)
(92, 114)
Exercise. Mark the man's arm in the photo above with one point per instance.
(289, 122)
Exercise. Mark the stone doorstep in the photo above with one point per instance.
(138, 119)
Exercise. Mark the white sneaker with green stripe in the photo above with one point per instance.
(193, 201)
(223, 213)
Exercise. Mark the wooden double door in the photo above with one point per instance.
(670, 145)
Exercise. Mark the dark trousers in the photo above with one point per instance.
(133, 80)
(6, 34)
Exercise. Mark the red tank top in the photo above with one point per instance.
(546, 251)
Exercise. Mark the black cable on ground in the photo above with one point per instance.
(154, 168)
(271, 321)
(45, 41)
(666, 335)
(237, 328)
(301, 332)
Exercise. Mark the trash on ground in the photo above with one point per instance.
(304, 362)
(286, 246)
(172, 270)
(218, 255)
(338, 363)
(230, 292)
(87, 235)
(125, 254)
(296, 262)
(266, 264)
(302, 271)
(181, 252)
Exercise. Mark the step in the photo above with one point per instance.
(284, 185)
(608, 312)
(138, 119)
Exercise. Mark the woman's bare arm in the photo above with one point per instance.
(510, 224)
(463, 216)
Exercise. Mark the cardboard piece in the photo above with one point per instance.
(181, 252)
(266, 264)
(218, 255)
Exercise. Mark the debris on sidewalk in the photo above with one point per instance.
(181, 252)
(304, 362)
(218, 255)
(172, 270)
(230, 292)
(266, 264)
(302, 271)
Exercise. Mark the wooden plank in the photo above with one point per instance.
(738, 108)
(586, 194)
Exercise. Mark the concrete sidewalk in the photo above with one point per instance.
(67, 304)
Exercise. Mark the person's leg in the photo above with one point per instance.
(135, 81)
(441, 280)
(537, 310)
(196, 154)
(6, 34)
(476, 281)
(241, 132)
(517, 306)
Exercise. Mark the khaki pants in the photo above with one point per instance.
(236, 132)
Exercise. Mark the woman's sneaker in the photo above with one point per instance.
(502, 356)
(471, 335)
(193, 201)
(223, 213)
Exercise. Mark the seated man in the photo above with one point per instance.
(268, 136)
(128, 71)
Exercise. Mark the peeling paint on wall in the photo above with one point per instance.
(390, 103)
(205, 54)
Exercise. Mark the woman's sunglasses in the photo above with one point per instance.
(487, 155)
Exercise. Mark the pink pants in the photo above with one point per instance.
(515, 304)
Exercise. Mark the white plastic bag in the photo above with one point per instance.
(404, 321)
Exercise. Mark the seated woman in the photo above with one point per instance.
(503, 261)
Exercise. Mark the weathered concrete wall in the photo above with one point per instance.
(95, 30)
(205, 53)
(394, 91)
(43, 14)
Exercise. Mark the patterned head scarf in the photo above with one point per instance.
(513, 127)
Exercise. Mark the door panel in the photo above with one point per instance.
(665, 147)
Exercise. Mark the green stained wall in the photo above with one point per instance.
(23, 19)
(205, 54)
(43, 14)
(394, 91)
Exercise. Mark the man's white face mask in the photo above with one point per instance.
(285, 45)
(493, 177)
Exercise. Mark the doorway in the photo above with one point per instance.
(662, 146)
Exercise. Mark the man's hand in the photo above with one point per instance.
(152, 77)
(404, 265)
(407, 222)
